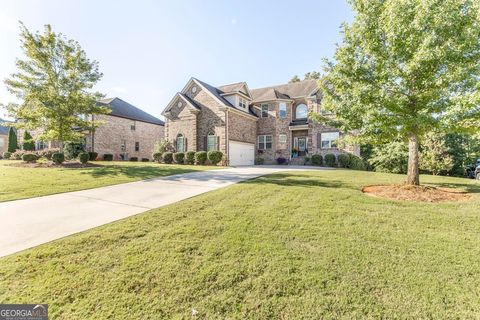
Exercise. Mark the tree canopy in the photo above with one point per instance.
(308, 76)
(404, 68)
(54, 82)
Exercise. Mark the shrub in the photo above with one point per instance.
(157, 157)
(58, 157)
(259, 160)
(145, 160)
(317, 160)
(357, 163)
(28, 143)
(179, 157)
(201, 157)
(92, 156)
(73, 149)
(214, 156)
(17, 155)
(29, 157)
(163, 146)
(108, 157)
(6, 155)
(12, 140)
(307, 160)
(167, 157)
(330, 160)
(190, 157)
(281, 160)
(47, 153)
(83, 157)
(133, 159)
(344, 160)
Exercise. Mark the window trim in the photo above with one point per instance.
(137, 146)
(296, 111)
(262, 140)
(282, 134)
(214, 137)
(133, 126)
(123, 146)
(180, 135)
(264, 111)
(282, 104)
(330, 146)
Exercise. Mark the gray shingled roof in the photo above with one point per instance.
(284, 91)
(3, 129)
(124, 109)
(234, 87)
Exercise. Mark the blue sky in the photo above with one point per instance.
(147, 50)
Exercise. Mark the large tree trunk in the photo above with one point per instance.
(413, 177)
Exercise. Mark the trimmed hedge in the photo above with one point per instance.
(201, 157)
(343, 160)
(145, 160)
(167, 157)
(357, 163)
(83, 157)
(190, 157)
(7, 155)
(92, 156)
(179, 157)
(157, 157)
(30, 157)
(108, 157)
(214, 156)
(133, 159)
(73, 149)
(47, 153)
(329, 160)
(58, 157)
(317, 160)
(281, 160)
(259, 160)
(17, 155)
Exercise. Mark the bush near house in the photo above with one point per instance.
(133, 159)
(214, 156)
(317, 160)
(28, 143)
(17, 155)
(179, 157)
(201, 157)
(108, 157)
(330, 160)
(282, 160)
(73, 149)
(259, 160)
(343, 160)
(12, 140)
(92, 156)
(58, 157)
(357, 163)
(307, 160)
(83, 157)
(167, 157)
(157, 157)
(190, 157)
(7, 155)
(47, 153)
(30, 157)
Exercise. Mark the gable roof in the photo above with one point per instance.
(285, 91)
(124, 109)
(239, 87)
(185, 99)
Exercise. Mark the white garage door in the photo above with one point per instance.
(241, 154)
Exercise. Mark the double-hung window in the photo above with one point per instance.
(264, 110)
(282, 110)
(133, 125)
(137, 146)
(242, 103)
(211, 142)
(264, 142)
(123, 146)
(329, 139)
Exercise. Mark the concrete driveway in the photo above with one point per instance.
(31, 222)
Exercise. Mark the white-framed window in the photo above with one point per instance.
(264, 142)
(123, 146)
(39, 145)
(242, 103)
(264, 110)
(301, 112)
(329, 139)
(282, 138)
(282, 110)
(211, 142)
(137, 146)
(179, 143)
(133, 125)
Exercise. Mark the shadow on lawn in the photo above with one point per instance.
(287, 180)
(140, 172)
(472, 187)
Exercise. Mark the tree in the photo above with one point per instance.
(434, 155)
(312, 75)
(163, 146)
(12, 140)
(464, 150)
(28, 143)
(54, 83)
(404, 68)
(390, 157)
(295, 78)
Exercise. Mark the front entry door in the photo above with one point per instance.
(302, 146)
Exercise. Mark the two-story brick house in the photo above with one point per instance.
(245, 124)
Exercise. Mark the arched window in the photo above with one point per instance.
(180, 143)
(301, 112)
(211, 141)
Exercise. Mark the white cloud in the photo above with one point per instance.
(233, 21)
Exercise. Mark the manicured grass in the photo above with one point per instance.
(19, 182)
(305, 245)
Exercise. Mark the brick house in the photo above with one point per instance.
(246, 124)
(125, 132)
(3, 136)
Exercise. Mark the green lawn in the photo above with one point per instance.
(292, 245)
(18, 182)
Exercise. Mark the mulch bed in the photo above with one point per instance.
(68, 165)
(416, 193)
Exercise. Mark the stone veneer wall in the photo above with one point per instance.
(110, 134)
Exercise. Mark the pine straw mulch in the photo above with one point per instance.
(416, 193)
(68, 165)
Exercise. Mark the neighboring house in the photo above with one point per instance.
(3, 137)
(125, 132)
(246, 124)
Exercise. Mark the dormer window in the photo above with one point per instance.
(242, 103)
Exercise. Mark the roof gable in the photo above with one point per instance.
(188, 102)
(239, 87)
(304, 88)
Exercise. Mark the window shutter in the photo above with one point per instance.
(319, 140)
(217, 147)
(184, 144)
(205, 143)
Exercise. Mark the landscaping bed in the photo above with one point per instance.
(416, 193)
